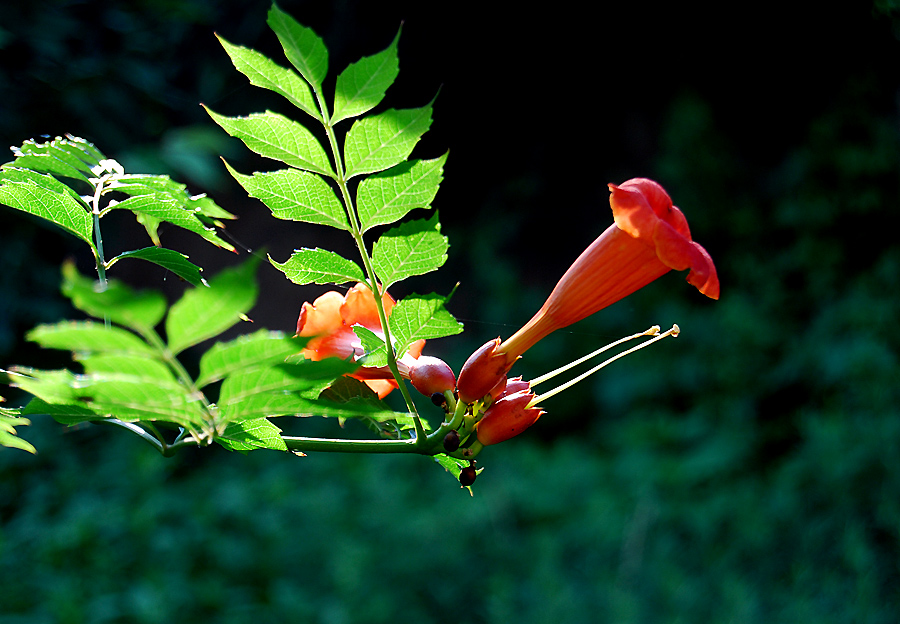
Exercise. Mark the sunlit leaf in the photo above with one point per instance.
(363, 84)
(203, 313)
(380, 142)
(275, 136)
(319, 266)
(249, 435)
(56, 207)
(69, 157)
(302, 47)
(138, 310)
(64, 413)
(421, 316)
(296, 196)
(169, 259)
(412, 248)
(388, 196)
(374, 347)
(244, 353)
(164, 207)
(266, 73)
(9, 420)
(89, 337)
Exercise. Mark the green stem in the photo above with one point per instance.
(98, 238)
(352, 446)
(181, 373)
(356, 232)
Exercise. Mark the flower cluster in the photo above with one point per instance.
(649, 237)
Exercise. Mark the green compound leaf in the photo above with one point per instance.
(169, 259)
(9, 420)
(380, 142)
(388, 196)
(363, 84)
(162, 207)
(138, 310)
(50, 204)
(296, 196)
(53, 386)
(275, 136)
(250, 435)
(412, 248)
(135, 367)
(71, 157)
(203, 313)
(279, 390)
(421, 316)
(302, 47)
(89, 337)
(264, 72)
(13, 174)
(319, 266)
(133, 398)
(64, 413)
(261, 349)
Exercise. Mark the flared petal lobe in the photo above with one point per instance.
(329, 322)
(649, 238)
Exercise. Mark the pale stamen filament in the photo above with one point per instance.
(653, 331)
(672, 332)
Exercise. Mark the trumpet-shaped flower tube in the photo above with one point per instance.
(329, 322)
(649, 238)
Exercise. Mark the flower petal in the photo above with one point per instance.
(322, 316)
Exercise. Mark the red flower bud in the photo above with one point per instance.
(430, 375)
(507, 417)
(483, 372)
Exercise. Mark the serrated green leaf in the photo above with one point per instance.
(169, 259)
(412, 248)
(380, 142)
(52, 386)
(69, 157)
(262, 348)
(419, 317)
(136, 367)
(89, 337)
(9, 420)
(275, 136)
(296, 196)
(64, 413)
(16, 174)
(138, 310)
(204, 206)
(203, 313)
(148, 184)
(363, 84)
(163, 207)
(374, 347)
(249, 435)
(278, 390)
(56, 207)
(266, 73)
(319, 266)
(388, 196)
(302, 47)
(132, 398)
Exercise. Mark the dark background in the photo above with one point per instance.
(748, 471)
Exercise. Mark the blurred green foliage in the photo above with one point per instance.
(748, 471)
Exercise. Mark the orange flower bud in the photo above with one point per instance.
(482, 373)
(507, 417)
